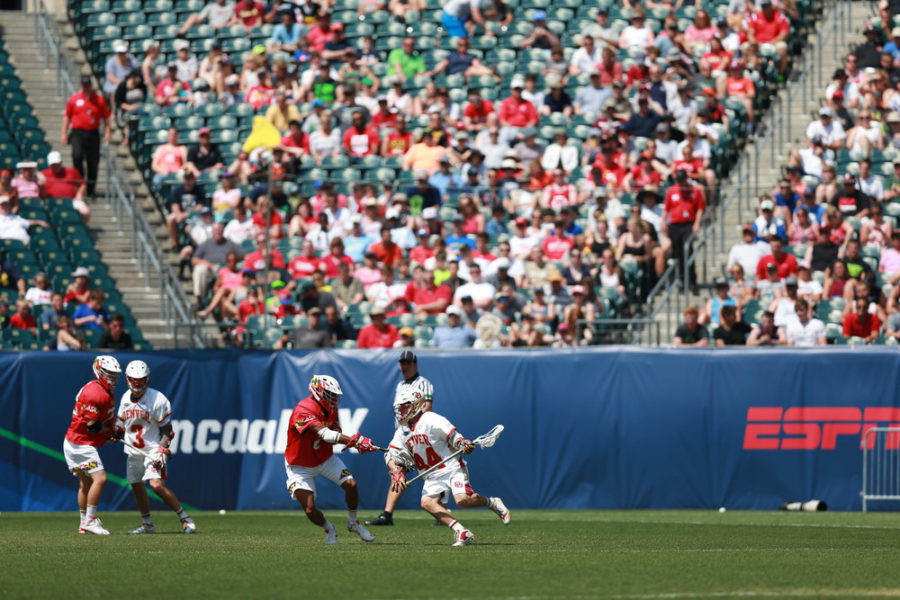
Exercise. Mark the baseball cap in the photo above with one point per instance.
(26, 164)
(120, 46)
(86, 80)
(554, 276)
(681, 175)
(502, 263)
(181, 45)
(54, 158)
(837, 95)
(419, 174)
(804, 264)
(407, 331)
(521, 222)
(337, 26)
(767, 205)
(81, 272)
(791, 280)
(376, 310)
(204, 131)
(708, 91)
(849, 178)
(250, 272)
(454, 310)
(826, 112)
(408, 356)
(720, 281)
(578, 289)
(517, 82)
(539, 15)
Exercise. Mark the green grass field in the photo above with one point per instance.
(572, 554)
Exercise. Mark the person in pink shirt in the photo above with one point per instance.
(890, 259)
(28, 183)
(369, 273)
(321, 34)
(168, 158)
(230, 279)
(262, 93)
(248, 13)
(701, 31)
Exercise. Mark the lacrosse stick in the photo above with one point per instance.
(161, 459)
(484, 441)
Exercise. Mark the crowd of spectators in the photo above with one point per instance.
(821, 262)
(508, 187)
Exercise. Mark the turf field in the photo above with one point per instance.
(573, 554)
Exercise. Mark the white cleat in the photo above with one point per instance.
(93, 526)
(144, 528)
(188, 525)
(363, 533)
(331, 536)
(464, 537)
(496, 505)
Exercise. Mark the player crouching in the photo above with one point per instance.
(144, 426)
(423, 440)
(309, 453)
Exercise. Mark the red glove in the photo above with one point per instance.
(361, 443)
(164, 451)
(398, 480)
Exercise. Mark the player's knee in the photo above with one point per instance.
(156, 485)
(98, 478)
(349, 485)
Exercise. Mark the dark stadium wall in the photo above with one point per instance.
(594, 428)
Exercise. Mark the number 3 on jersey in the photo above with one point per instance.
(138, 431)
(431, 459)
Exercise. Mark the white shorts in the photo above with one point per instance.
(447, 483)
(139, 468)
(304, 478)
(82, 458)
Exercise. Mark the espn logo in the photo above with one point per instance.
(815, 427)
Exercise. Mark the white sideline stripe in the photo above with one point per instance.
(717, 524)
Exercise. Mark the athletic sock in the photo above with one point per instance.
(457, 526)
(328, 526)
(83, 514)
(91, 512)
(181, 514)
(146, 519)
(351, 516)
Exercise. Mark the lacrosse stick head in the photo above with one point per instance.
(490, 438)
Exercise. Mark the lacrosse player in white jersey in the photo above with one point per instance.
(144, 424)
(412, 380)
(422, 441)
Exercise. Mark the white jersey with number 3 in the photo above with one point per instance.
(143, 418)
(430, 440)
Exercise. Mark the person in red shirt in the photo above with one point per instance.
(737, 85)
(295, 143)
(557, 245)
(313, 432)
(22, 318)
(379, 333)
(770, 26)
(262, 93)
(84, 112)
(860, 323)
(264, 257)
(248, 13)
(516, 111)
(384, 117)
(682, 215)
(689, 164)
(303, 265)
(428, 298)
(321, 34)
(335, 257)
(398, 141)
(476, 112)
(419, 254)
(386, 251)
(92, 425)
(360, 139)
(641, 175)
(608, 69)
(786, 263)
(65, 182)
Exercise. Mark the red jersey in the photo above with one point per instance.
(18, 321)
(422, 296)
(94, 402)
(682, 205)
(85, 111)
(518, 113)
(63, 186)
(255, 260)
(787, 266)
(741, 86)
(360, 143)
(691, 167)
(477, 114)
(369, 337)
(274, 221)
(247, 308)
(303, 266)
(609, 72)
(288, 141)
(304, 447)
(398, 143)
(640, 177)
(767, 31)
(555, 248)
(250, 13)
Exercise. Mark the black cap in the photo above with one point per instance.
(86, 80)
(681, 175)
(408, 356)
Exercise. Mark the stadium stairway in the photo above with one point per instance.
(832, 58)
(40, 85)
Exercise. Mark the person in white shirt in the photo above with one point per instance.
(481, 292)
(827, 129)
(748, 252)
(240, 228)
(805, 331)
(14, 227)
(637, 33)
(784, 305)
(39, 294)
(807, 288)
(521, 243)
(869, 183)
(585, 59)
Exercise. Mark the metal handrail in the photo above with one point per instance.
(145, 249)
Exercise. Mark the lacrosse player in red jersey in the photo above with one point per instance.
(309, 453)
(144, 424)
(422, 441)
(92, 426)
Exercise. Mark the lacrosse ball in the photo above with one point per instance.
(721, 509)
(222, 511)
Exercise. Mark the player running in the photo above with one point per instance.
(309, 453)
(422, 441)
(91, 427)
(412, 380)
(144, 424)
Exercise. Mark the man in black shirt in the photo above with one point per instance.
(310, 336)
(185, 198)
(868, 53)
(849, 200)
(691, 333)
(116, 338)
(338, 329)
(205, 156)
(730, 331)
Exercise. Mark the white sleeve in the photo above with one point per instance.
(441, 428)
(425, 388)
(163, 410)
(122, 402)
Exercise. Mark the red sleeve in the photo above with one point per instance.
(503, 112)
(533, 115)
(667, 205)
(488, 107)
(373, 137)
(395, 334)
(698, 198)
(362, 339)
(304, 421)
(847, 330)
(792, 263)
(445, 292)
(346, 138)
(761, 268)
(785, 25)
(104, 107)
(91, 401)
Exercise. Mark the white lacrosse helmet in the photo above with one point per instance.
(325, 388)
(137, 376)
(106, 368)
(408, 405)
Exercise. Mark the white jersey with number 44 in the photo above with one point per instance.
(143, 418)
(432, 439)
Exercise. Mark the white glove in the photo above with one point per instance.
(159, 456)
